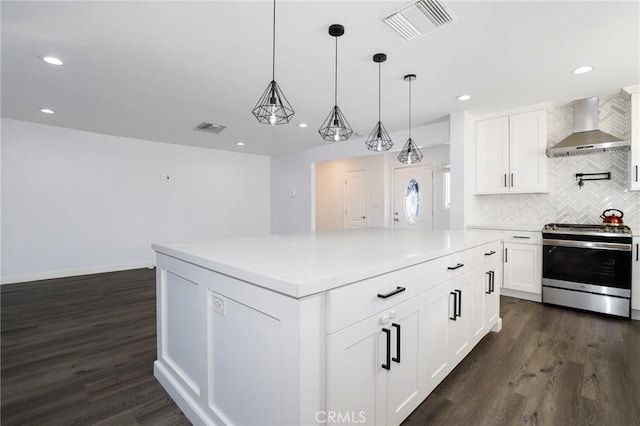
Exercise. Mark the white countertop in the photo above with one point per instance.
(302, 264)
(525, 227)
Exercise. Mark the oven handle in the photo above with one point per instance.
(588, 245)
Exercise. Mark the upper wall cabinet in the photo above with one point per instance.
(634, 157)
(510, 154)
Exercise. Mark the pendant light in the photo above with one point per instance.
(379, 139)
(335, 127)
(273, 107)
(410, 153)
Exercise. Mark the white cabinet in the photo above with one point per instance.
(366, 352)
(485, 294)
(492, 156)
(374, 366)
(634, 156)
(448, 338)
(460, 318)
(523, 267)
(438, 312)
(493, 274)
(511, 154)
(635, 275)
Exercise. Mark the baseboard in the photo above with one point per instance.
(521, 295)
(497, 328)
(12, 279)
(182, 398)
(635, 314)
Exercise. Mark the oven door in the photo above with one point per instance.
(597, 263)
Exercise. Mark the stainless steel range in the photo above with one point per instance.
(587, 267)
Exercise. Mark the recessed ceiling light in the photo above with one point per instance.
(240, 144)
(302, 125)
(582, 70)
(463, 97)
(52, 60)
(47, 111)
(358, 134)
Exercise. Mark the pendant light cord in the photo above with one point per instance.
(379, 94)
(409, 108)
(273, 59)
(335, 94)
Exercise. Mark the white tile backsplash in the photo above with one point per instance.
(566, 202)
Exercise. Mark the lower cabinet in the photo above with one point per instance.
(491, 286)
(381, 368)
(374, 373)
(460, 311)
(448, 314)
(635, 275)
(523, 267)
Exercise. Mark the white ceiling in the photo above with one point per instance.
(154, 70)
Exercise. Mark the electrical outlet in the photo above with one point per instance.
(219, 305)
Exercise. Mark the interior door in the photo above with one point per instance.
(355, 199)
(413, 197)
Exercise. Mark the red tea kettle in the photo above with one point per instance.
(612, 217)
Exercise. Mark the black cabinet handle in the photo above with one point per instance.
(492, 281)
(505, 180)
(491, 253)
(518, 237)
(506, 257)
(489, 286)
(459, 302)
(511, 179)
(392, 293)
(455, 306)
(637, 252)
(636, 173)
(397, 357)
(387, 365)
(458, 266)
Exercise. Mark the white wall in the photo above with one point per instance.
(330, 177)
(76, 202)
(295, 171)
(462, 156)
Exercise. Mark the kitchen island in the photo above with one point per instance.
(354, 326)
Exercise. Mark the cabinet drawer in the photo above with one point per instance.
(354, 302)
(487, 253)
(523, 237)
(451, 266)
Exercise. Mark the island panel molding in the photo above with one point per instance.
(238, 346)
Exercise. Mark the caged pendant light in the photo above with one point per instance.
(410, 152)
(335, 127)
(379, 139)
(273, 107)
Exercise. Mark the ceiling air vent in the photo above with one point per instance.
(210, 127)
(419, 18)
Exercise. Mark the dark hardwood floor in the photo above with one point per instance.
(548, 366)
(79, 351)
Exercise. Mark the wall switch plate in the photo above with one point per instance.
(219, 305)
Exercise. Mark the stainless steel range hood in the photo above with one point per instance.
(586, 138)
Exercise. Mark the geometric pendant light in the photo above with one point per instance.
(410, 153)
(379, 139)
(273, 107)
(335, 127)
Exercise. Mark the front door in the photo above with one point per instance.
(413, 197)
(355, 199)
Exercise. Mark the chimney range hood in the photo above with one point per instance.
(586, 138)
